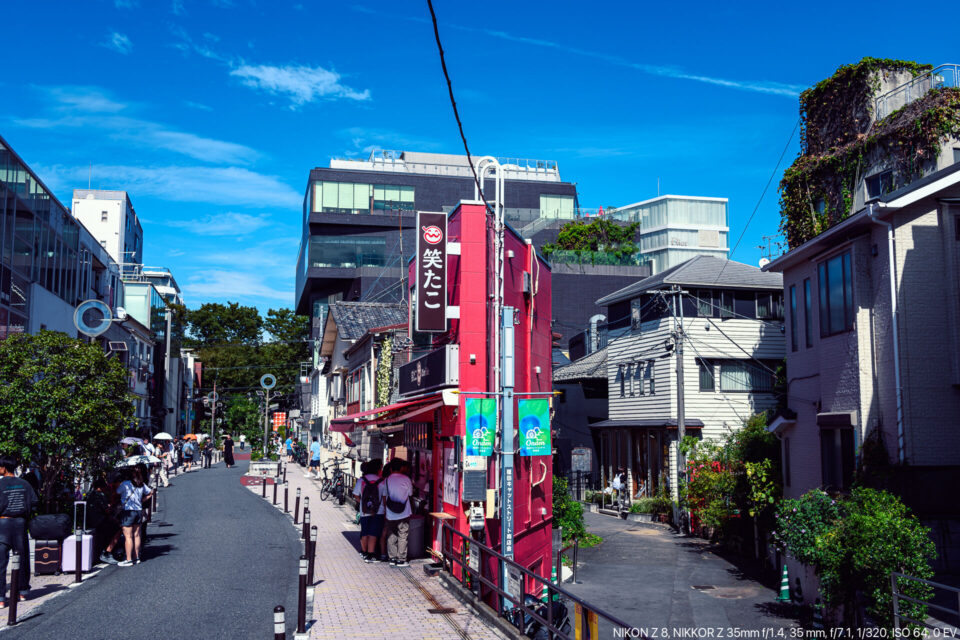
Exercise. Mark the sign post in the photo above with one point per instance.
(267, 381)
(506, 441)
(431, 272)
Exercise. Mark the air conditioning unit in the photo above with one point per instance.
(527, 283)
(117, 346)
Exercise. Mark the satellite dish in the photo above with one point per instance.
(93, 307)
(764, 262)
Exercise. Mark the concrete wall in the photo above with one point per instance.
(50, 312)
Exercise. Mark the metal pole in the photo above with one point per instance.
(166, 372)
(279, 624)
(302, 597)
(14, 588)
(276, 482)
(286, 497)
(213, 420)
(576, 553)
(506, 442)
(78, 570)
(266, 422)
(296, 508)
(313, 552)
(284, 474)
(305, 536)
(681, 426)
(263, 487)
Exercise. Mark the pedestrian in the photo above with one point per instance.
(369, 494)
(397, 490)
(132, 491)
(207, 453)
(228, 452)
(289, 445)
(101, 512)
(16, 504)
(165, 463)
(189, 451)
(315, 457)
(243, 442)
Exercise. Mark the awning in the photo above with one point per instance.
(653, 422)
(385, 415)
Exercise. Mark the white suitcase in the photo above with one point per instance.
(69, 548)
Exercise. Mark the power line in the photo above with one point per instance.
(775, 323)
(453, 102)
(762, 194)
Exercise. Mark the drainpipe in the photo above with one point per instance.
(891, 258)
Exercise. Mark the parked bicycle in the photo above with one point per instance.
(333, 486)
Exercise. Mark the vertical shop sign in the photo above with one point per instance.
(481, 426)
(451, 477)
(431, 272)
(534, 419)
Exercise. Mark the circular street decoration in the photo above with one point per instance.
(92, 329)
(268, 381)
(213, 396)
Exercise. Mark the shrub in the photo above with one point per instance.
(643, 505)
(568, 514)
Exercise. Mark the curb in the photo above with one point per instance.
(483, 611)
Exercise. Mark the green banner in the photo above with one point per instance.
(481, 426)
(534, 419)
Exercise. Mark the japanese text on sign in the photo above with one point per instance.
(431, 272)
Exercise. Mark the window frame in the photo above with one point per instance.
(727, 304)
(705, 366)
(794, 340)
(808, 312)
(846, 288)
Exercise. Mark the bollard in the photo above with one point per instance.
(279, 624)
(78, 576)
(296, 508)
(306, 525)
(312, 553)
(263, 486)
(279, 466)
(275, 483)
(306, 503)
(559, 568)
(302, 597)
(576, 553)
(14, 588)
(286, 496)
(284, 475)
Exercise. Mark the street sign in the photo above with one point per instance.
(474, 557)
(268, 381)
(431, 272)
(507, 517)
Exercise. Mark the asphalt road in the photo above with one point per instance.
(217, 564)
(652, 578)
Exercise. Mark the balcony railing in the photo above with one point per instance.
(946, 75)
(565, 256)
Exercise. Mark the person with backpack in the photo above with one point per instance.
(17, 499)
(189, 451)
(132, 491)
(397, 490)
(369, 496)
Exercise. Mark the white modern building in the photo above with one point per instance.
(674, 229)
(110, 217)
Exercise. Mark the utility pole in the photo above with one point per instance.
(681, 426)
(213, 412)
(266, 422)
(166, 374)
(506, 441)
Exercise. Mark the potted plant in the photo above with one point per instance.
(641, 510)
(662, 505)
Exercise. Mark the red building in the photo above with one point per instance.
(428, 425)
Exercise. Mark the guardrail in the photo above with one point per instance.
(898, 595)
(480, 573)
(946, 75)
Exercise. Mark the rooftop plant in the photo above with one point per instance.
(838, 144)
(599, 235)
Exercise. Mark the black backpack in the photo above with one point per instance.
(370, 497)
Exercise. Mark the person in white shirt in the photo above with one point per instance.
(369, 494)
(397, 490)
(243, 441)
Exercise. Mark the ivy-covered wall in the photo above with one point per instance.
(841, 144)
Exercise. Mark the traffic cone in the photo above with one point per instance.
(798, 592)
(784, 586)
(817, 615)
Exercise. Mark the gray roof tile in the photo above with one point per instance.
(593, 366)
(354, 319)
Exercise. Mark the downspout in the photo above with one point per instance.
(891, 258)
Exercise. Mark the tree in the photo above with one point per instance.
(218, 324)
(63, 404)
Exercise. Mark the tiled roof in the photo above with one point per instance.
(702, 271)
(593, 366)
(355, 318)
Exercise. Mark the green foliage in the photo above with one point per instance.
(63, 404)
(385, 372)
(662, 503)
(595, 497)
(568, 514)
(591, 239)
(242, 415)
(643, 505)
(854, 543)
(817, 191)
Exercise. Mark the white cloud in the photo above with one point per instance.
(177, 8)
(230, 186)
(363, 140)
(220, 284)
(224, 224)
(197, 105)
(118, 42)
(299, 83)
(79, 98)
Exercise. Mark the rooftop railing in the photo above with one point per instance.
(946, 75)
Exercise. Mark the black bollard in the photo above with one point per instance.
(279, 466)
(276, 481)
(306, 525)
(263, 486)
(279, 624)
(284, 475)
(14, 588)
(296, 508)
(286, 497)
(312, 553)
(576, 552)
(306, 503)
(78, 575)
(302, 597)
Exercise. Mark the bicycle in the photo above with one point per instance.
(334, 486)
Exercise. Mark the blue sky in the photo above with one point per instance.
(210, 113)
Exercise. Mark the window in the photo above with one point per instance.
(556, 207)
(639, 375)
(342, 197)
(837, 458)
(879, 184)
(623, 382)
(347, 251)
(807, 313)
(726, 304)
(764, 306)
(786, 462)
(104, 216)
(628, 374)
(392, 198)
(706, 375)
(650, 376)
(744, 376)
(705, 303)
(836, 295)
(793, 317)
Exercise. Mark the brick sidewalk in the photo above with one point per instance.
(353, 599)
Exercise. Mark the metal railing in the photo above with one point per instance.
(899, 595)
(524, 609)
(946, 75)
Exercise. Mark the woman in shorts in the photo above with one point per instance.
(132, 491)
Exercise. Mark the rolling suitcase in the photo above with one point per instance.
(69, 552)
(46, 557)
